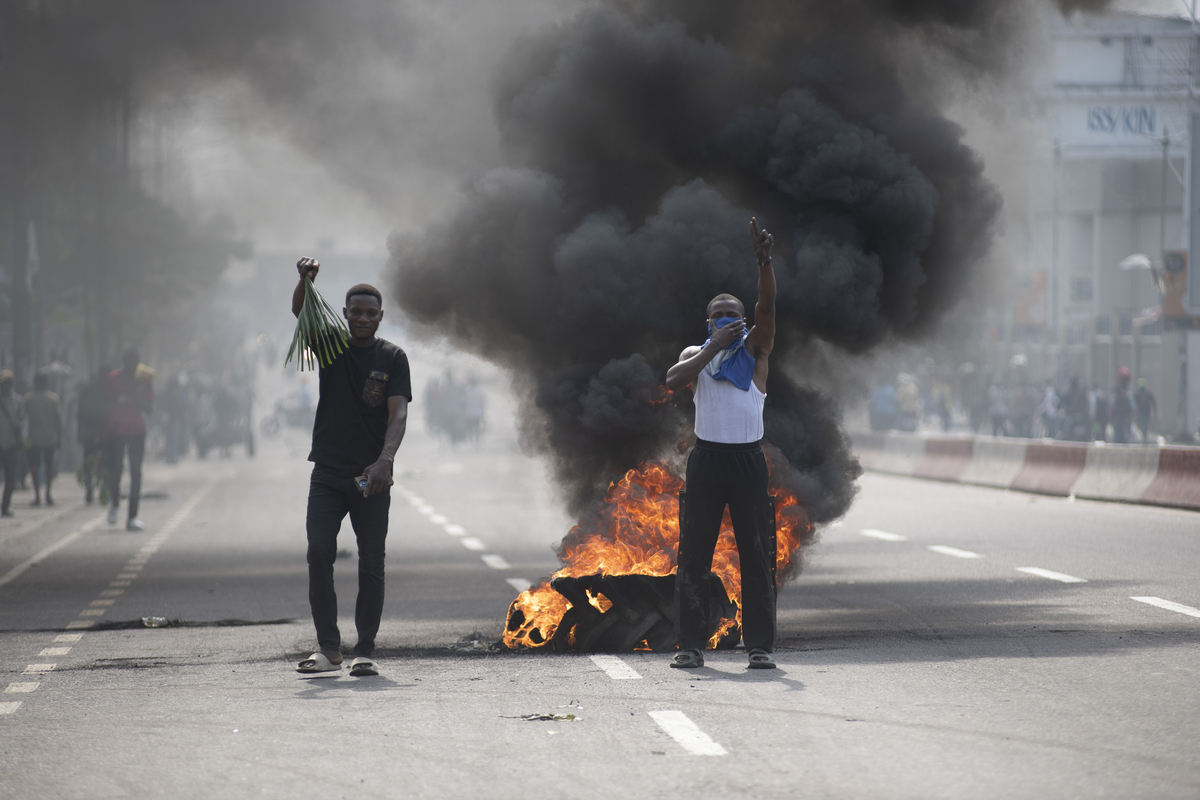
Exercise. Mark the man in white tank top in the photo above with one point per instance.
(728, 377)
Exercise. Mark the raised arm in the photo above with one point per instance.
(762, 335)
(309, 267)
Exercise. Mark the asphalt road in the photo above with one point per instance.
(919, 657)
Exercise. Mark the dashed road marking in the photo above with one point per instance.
(112, 592)
(49, 652)
(454, 530)
(615, 668)
(75, 625)
(92, 612)
(520, 584)
(22, 687)
(686, 733)
(102, 602)
(496, 562)
(1169, 605)
(438, 519)
(953, 551)
(425, 510)
(1051, 574)
(471, 543)
(33, 669)
(9, 708)
(883, 535)
(68, 637)
(45, 552)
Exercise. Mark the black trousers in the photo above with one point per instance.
(115, 451)
(331, 496)
(720, 475)
(8, 459)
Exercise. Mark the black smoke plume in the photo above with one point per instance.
(640, 138)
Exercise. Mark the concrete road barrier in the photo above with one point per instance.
(994, 462)
(1051, 467)
(1160, 475)
(1177, 482)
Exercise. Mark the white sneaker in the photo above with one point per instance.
(135, 525)
(112, 515)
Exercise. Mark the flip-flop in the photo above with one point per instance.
(361, 667)
(761, 659)
(687, 659)
(317, 662)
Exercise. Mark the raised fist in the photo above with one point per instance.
(308, 267)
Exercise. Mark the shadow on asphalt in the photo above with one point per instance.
(316, 687)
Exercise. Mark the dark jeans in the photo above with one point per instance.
(720, 475)
(92, 452)
(43, 458)
(331, 495)
(115, 449)
(8, 459)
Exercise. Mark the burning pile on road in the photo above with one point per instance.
(616, 587)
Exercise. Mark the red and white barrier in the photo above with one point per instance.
(1166, 475)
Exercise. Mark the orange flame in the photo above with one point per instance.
(636, 532)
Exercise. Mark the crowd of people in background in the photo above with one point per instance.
(1017, 407)
(117, 416)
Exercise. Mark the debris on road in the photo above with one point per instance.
(547, 718)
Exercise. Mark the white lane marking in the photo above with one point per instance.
(415, 501)
(80, 623)
(102, 602)
(68, 637)
(112, 592)
(9, 708)
(953, 551)
(1062, 577)
(883, 535)
(520, 584)
(45, 552)
(1169, 606)
(496, 562)
(438, 519)
(123, 579)
(35, 668)
(134, 568)
(454, 530)
(615, 668)
(686, 734)
(426, 510)
(471, 543)
(54, 651)
(22, 688)
(92, 612)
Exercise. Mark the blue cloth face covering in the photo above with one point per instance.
(734, 363)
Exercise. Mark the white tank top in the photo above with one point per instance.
(726, 414)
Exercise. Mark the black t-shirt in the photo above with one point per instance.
(352, 411)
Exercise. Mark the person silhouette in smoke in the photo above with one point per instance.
(728, 378)
(362, 413)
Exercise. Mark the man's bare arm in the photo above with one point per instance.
(379, 474)
(762, 335)
(694, 359)
(306, 267)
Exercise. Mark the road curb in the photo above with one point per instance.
(1166, 475)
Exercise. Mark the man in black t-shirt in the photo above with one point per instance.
(361, 417)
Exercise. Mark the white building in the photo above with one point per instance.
(1116, 108)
